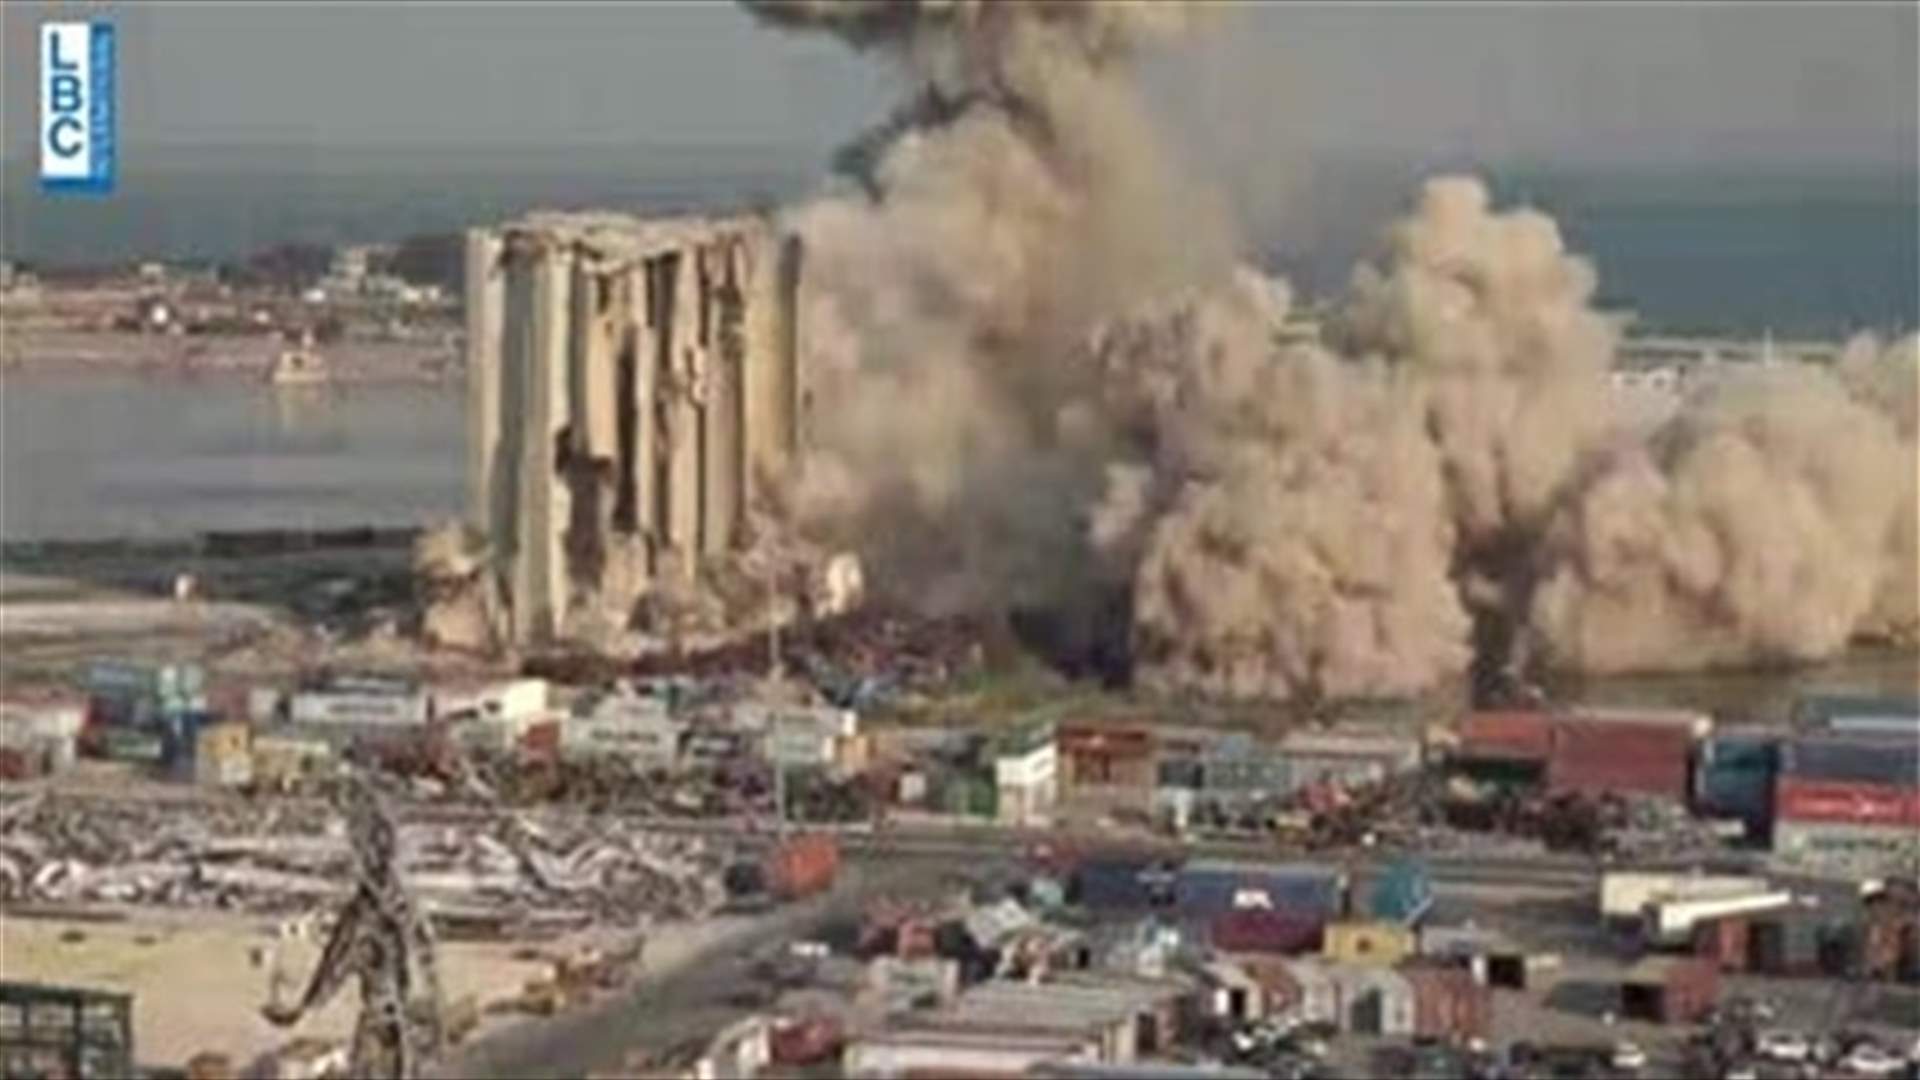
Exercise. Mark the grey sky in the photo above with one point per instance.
(1832, 83)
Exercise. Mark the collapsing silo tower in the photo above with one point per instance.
(631, 381)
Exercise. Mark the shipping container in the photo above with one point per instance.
(1798, 799)
(1205, 890)
(1368, 941)
(19, 763)
(969, 796)
(266, 705)
(1734, 777)
(1724, 942)
(1841, 712)
(359, 706)
(223, 756)
(1890, 762)
(106, 710)
(1697, 724)
(1403, 893)
(1121, 884)
(1669, 990)
(1448, 1003)
(1846, 847)
(1274, 932)
(1882, 934)
(1106, 756)
(1620, 756)
(1786, 944)
(1183, 773)
(120, 678)
(541, 740)
(130, 744)
(803, 866)
(1374, 1000)
(1505, 736)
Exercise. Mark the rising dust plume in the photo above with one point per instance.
(1044, 376)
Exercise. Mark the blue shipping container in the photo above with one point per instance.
(1403, 894)
(1734, 777)
(1823, 709)
(1852, 759)
(1209, 890)
(120, 678)
(1120, 884)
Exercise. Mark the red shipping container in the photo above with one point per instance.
(805, 1042)
(17, 764)
(1596, 756)
(1256, 931)
(1669, 990)
(541, 740)
(1837, 800)
(803, 866)
(1506, 736)
(1448, 1003)
(1722, 941)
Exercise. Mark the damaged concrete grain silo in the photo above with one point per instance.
(632, 383)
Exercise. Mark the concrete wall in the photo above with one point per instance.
(630, 382)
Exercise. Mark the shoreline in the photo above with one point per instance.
(38, 353)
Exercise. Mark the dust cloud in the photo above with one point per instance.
(1043, 375)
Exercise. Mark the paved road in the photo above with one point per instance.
(690, 1002)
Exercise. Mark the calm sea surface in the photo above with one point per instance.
(94, 456)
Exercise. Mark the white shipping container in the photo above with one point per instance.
(263, 704)
(1699, 724)
(815, 719)
(36, 723)
(650, 743)
(1035, 768)
(913, 788)
(320, 707)
(517, 701)
(1670, 922)
(802, 747)
(1625, 894)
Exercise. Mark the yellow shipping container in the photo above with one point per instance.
(1368, 942)
(222, 755)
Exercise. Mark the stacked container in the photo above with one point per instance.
(1734, 778)
(1849, 802)
(144, 713)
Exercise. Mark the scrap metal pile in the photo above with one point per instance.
(510, 873)
(858, 659)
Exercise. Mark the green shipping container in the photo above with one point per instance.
(128, 744)
(971, 796)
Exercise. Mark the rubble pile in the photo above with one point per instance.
(1647, 827)
(729, 789)
(855, 660)
(506, 872)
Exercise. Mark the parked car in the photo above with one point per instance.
(1628, 1057)
(1867, 1059)
(1783, 1046)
